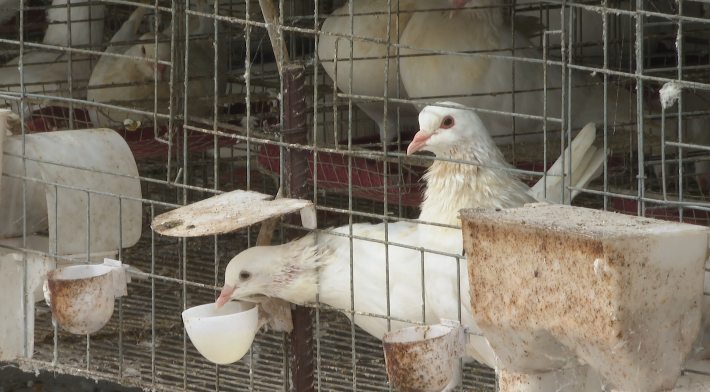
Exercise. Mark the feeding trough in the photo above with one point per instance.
(556, 286)
(82, 296)
(223, 335)
(423, 359)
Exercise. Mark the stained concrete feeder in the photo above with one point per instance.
(555, 287)
(423, 358)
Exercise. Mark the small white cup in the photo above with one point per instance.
(222, 335)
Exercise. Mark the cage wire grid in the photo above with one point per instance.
(190, 149)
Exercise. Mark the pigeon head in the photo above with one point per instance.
(286, 271)
(248, 274)
(148, 69)
(443, 130)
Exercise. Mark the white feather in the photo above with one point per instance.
(484, 82)
(139, 75)
(368, 76)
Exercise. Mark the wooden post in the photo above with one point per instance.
(296, 187)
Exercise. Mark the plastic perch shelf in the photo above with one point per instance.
(568, 294)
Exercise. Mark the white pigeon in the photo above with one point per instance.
(137, 78)
(452, 131)
(369, 58)
(485, 82)
(47, 72)
(320, 264)
(134, 76)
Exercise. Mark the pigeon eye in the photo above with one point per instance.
(245, 275)
(447, 123)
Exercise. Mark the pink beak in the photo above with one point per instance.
(160, 68)
(458, 4)
(419, 142)
(225, 296)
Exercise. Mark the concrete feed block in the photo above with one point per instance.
(573, 379)
(553, 285)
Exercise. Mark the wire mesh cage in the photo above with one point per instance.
(318, 99)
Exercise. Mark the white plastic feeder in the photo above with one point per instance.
(224, 335)
(82, 296)
(424, 358)
(554, 287)
(65, 213)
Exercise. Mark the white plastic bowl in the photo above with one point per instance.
(81, 297)
(222, 335)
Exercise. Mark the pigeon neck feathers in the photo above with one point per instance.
(452, 186)
(296, 277)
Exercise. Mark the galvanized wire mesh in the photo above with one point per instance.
(188, 149)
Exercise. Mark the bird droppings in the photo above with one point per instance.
(172, 224)
(669, 94)
(615, 292)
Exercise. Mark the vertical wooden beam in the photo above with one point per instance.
(296, 187)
